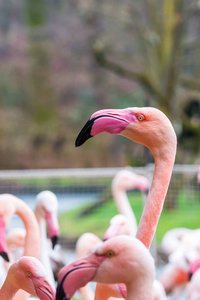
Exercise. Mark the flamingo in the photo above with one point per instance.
(28, 274)
(150, 127)
(46, 213)
(10, 205)
(193, 288)
(175, 275)
(172, 239)
(198, 176)
(85, 244)
(123, 181)
(121, 259)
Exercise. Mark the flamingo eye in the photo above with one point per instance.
(140, 117)
(29, 273)
(110, 254)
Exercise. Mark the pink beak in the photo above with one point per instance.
(113, 121)
(3, 246)
(76, 275)
(52, 226)
(43, 288)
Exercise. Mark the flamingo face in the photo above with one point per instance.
(121, 259)
(3, 245)
(135, 123)
(29, 274)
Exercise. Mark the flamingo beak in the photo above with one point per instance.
(43, 288)
(113, 121)
(52, 226)
(3, 246)
(76, 275)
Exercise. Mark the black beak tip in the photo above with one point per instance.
(5, 256)
(60, 294)
(54, 240)
(85, 133)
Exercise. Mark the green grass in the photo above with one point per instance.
(185, 215)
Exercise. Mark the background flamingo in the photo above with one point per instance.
(126, 222)
(27, 274)
(46, 214)
(85, 244)
(10, 205)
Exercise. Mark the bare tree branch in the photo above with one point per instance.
(139, 76)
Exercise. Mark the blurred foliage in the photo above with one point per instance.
(52, 80)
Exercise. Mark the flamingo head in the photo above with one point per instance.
(118, 225)
(46, 207)
(29, 274)
(118, 260)
(127, 180)
(3, 245)
(135, 123)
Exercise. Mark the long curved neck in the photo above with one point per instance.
(44, 251)
(7, 291)
(156, 196)
(32, 241)
(124, 207)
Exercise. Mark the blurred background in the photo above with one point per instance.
(60, 61)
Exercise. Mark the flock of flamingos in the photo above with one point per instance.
(121, 265)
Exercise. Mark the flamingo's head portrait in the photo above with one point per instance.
(135, 123)
(29, 274)
(118, 260)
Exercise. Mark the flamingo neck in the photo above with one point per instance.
(156, 197)
(124, 208)
(86, 292)
(32, 240)
(7, 290)
(44, 247)
(140, 291)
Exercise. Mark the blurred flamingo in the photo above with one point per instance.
(10, 205)
(123, 181)
(29, 275)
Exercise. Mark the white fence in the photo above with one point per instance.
(85, 183)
